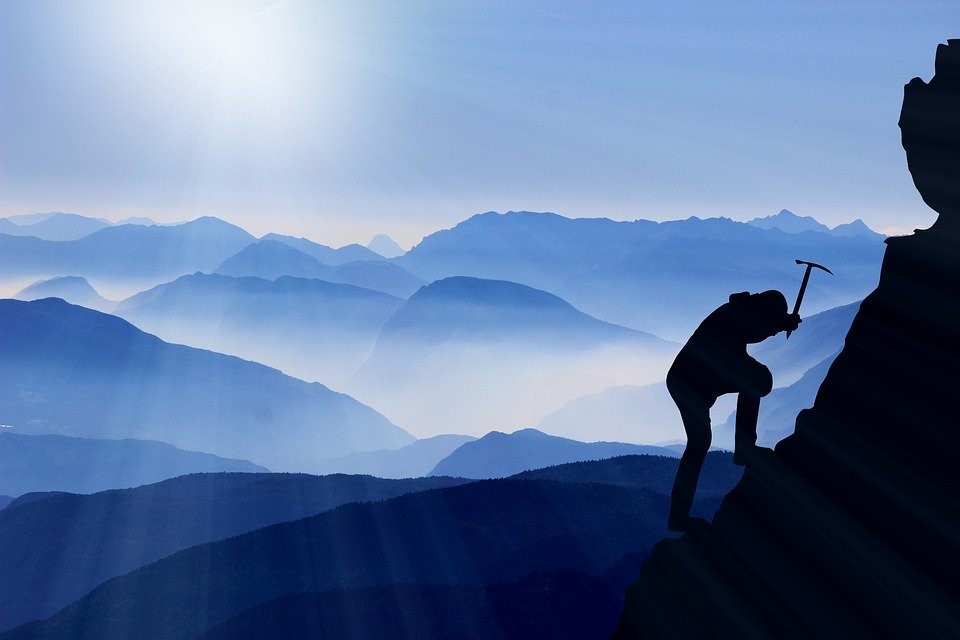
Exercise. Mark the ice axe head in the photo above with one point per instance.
(811, 265)
(803, 284)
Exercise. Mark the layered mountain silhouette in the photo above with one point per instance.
(125, 255)
(489, 353)
(850, 527)
(74, 371)
(412, 461)
(498, 455)
(624, 412)
(271, 258)
(856, 228)
(789, 222)
(82, 465)
(86, 539)
(651, 472)
(629, 272)
(385, 246)
(325, 254)
(52, 226)
(313, 329)
(556, 533)
(74, 289)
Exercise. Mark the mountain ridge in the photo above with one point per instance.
(75, 371)
(110, 533)
(616, 271)
(128, 254)
(499, 455)
(31, 463)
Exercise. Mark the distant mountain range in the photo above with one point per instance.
(271, 258)
(385, 246)
(95, 537)
(491, 353)
(73, 371)
(660, 277)
(313, 329)
(789, 222)
(323, 253)
(82, 465)
(126, 255)
(74, 289)
(495, 455)
(498, 455)
(52, 226)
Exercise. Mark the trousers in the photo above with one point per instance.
(694, 406)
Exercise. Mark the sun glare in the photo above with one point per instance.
(228, 41)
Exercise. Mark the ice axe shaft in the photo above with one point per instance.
(803, 284)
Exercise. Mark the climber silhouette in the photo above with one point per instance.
(713, 362)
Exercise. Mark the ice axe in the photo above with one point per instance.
(803, 285)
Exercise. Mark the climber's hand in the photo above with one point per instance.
(793, 321)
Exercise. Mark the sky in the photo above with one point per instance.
(340, 120)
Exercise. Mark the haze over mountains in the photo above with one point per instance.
(492, 353)
(309, 328)
(271, 259)
(74, 371)
(629, 273)
(485, 358)
(504, 322)
(323, 253)
(84, 465)
(74, 289)
(623, 412)
(127, 256)
(59, 226)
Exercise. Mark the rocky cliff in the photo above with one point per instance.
(852, 527)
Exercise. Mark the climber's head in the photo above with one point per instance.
(764, 314)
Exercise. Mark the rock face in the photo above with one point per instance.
(852, 527)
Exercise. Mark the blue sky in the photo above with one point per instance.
(341, 120)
